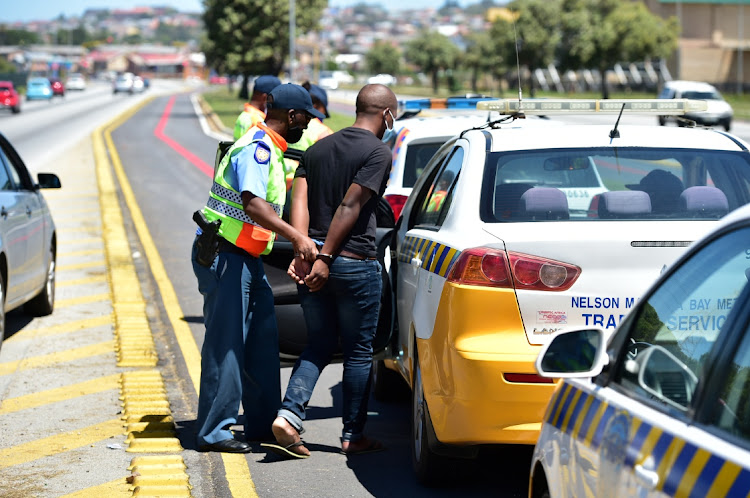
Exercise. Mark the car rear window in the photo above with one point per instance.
(417, 157)
(614, 184)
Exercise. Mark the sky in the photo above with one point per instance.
(42, 10)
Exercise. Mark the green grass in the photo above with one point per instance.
(227, 107)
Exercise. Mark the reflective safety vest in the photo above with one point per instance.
(225, 201)
(247, 119)
(436, 201)
(315, 130)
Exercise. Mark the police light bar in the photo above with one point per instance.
(448, 103)
(585, 106)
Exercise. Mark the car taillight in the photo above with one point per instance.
(397, 203)
(495, 268)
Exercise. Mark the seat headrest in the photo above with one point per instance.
(624, 204)
(704, 201)
(544, 203)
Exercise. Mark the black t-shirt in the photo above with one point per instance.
(331, 165)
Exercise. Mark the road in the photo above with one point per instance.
(167, 157)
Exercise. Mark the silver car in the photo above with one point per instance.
(28, 240)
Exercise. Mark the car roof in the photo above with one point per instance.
(683, 85)
(450, 124)
(575, 136)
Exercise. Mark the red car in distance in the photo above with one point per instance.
(57, 87)
(9, 98)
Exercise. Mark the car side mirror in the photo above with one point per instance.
(573, 353)
(48, 180)
(666, 377)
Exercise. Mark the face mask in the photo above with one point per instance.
(294, 135)
(390, 133)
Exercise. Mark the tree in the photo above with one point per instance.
(602, 33)
(252, 36)
(481, 57)
(534, 37)
(432, 53)
(17, 37)
(383, 58)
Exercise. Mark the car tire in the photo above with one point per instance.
(727, 124)
(662, 120)
(429, 467)
(44, 302)
(16, 109)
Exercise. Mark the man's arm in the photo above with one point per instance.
(263, 214)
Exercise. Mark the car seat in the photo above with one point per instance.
(624, 204)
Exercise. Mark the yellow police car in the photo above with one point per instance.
(514, 232)
(662, 408)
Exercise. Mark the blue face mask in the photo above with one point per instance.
(390, 132)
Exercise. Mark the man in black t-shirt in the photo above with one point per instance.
(336, 189)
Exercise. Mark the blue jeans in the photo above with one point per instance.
(240, 355)
(346, 308)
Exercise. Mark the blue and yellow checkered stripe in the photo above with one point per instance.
(683, 468)
(436, 258)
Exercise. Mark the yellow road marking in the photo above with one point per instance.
(64, 303)
(59, 443)
(86, 252)
(81, 266)
(238, 474)
(82, 281)
(61, 328)
(59, 394)
(115, 489)
(58, 357)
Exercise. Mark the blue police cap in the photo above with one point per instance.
(321, 95)
(266, 83)
(291, 96)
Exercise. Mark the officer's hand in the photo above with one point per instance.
(298, 270)
(305, 248)
(318, 276)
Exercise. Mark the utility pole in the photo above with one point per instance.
(292, 30)
(740, 46)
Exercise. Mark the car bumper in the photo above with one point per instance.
(465, 368)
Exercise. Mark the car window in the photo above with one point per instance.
(732, 412)
(671, 334)
(20, 177)
(5, 183)
(614, 184)
(417, 157)
(701, 95)
(438, 199)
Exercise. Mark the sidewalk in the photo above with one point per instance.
(83, 410)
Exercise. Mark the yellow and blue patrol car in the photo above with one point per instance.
(662, 408)
(515, 231)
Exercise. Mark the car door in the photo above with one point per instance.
(641, 431)
(15, 224)
(424, 256)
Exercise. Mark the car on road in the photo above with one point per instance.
(139, 85)
(382, 79)
(9, 97)
(719, 111)
(28, 240)
(661, 407)
(123, 83)
(76, 81)
(513, 232)
(38, 88)
(58, 89)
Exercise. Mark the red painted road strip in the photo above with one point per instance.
(159, 132)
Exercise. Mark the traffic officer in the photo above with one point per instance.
(255, 110)
(240, 355)
(315, 129)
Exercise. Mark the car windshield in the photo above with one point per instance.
(710, 95)
(613, 183)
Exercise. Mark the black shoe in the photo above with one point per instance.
(227, 446)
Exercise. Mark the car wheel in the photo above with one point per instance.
(44, 302)
(662, 120)
(429, 467)
(727, 123)
(16, 109)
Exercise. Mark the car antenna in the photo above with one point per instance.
(518, 68)
(614, 132)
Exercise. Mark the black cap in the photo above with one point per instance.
(291, 96)
(266, 83)
(321, 95)
(656, 181)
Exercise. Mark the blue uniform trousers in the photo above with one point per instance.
(240, 354)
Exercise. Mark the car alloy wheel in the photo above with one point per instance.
(429, 467)
(44, 302)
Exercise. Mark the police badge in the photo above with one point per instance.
(262, 154)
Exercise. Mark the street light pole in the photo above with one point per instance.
(292, 29)
(740, 43)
